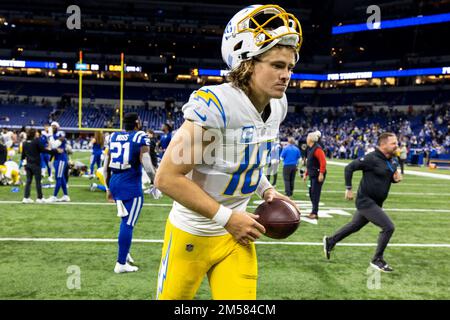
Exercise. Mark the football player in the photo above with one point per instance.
(61, 163)
(208, 231)
(97, 150)
(128, 151)
(9, 138)
(9, 173)
(45, 157)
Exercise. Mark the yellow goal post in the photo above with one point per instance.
(80, 97)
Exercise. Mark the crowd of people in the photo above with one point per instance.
(347, 134)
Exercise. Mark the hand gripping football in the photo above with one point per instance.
(279, 217)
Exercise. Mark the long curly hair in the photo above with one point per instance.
(240, 77)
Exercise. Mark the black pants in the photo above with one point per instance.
(377, 216)
(36, 172)
(269, 178)
(402, 165)
(289, 173)
(315, 189)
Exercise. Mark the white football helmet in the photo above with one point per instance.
(257, 28)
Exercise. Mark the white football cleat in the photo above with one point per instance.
(122, 268)
(64, 198)
(129, 258)
(27, 200)
(40, 200)
(93, 186)
(50, 179)
(52, 199)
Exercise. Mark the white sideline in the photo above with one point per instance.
(413, 245)
(408, 172)
(332, 191)
(170, 205)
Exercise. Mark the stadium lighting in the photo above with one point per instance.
(395, 23)
(347, 75)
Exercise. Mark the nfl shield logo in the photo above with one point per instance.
(247, 134)
(189, 247)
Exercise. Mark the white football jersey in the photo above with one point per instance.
(7, 139)
(11, 167)
(232, 173)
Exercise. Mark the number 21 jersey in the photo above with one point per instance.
(125, 147)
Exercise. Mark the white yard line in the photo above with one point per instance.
(250, 206)
(408, 172)
(415, 245)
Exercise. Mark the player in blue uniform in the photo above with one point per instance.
(165, 138)
(45, 157)
(61, 162)
(127, 153)
(97, 150)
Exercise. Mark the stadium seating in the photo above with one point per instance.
(23, 115)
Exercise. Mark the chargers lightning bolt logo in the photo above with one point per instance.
(210, 98)
(163, 270)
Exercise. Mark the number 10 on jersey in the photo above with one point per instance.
(247, 169)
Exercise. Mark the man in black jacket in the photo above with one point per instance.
(31, 153)
(379, 171)
(153, 154)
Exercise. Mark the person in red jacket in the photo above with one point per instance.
(316, 169)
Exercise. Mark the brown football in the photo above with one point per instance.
(279, 217)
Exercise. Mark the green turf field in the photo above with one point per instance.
(419, 207)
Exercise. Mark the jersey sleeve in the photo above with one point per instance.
(141, 139)
(206, 109)
(108, 144)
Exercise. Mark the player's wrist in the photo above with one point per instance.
(348, 188)
(264, 192)
(222, 215)
(263, 186)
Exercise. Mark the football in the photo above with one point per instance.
(279, 217)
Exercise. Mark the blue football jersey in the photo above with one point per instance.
(61, 156)
(97, 149)
(125, 148)
(44, 140)
(165, 140)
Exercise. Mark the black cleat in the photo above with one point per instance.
(327, 247)
(381, 265)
